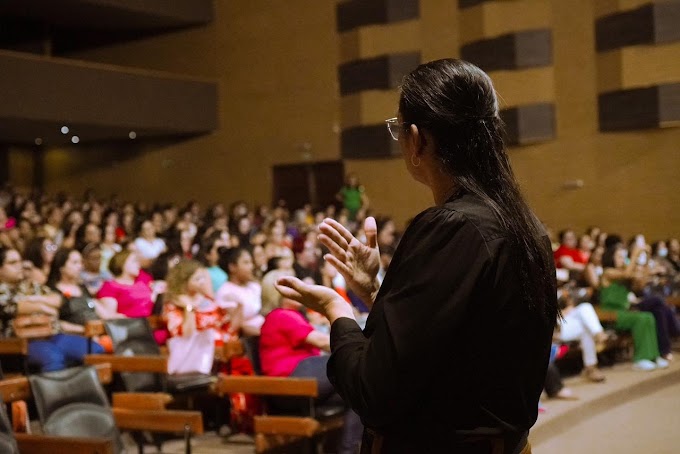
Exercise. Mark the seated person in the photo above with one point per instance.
(189, 308)
(129, 290)
(554, 386)
(291, 347)
(21, 297)
(614, 296)
(241, 295)
(567, 256)
(92, 276)
(80, 306)
(580, 322)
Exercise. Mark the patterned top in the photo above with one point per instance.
(9, 296)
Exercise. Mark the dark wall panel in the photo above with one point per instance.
(667, 22)
(529, 123)
(462, 4)
(526, 49)
(55, 90)
(113, 14)
(357, 13)
(380, 73)
(629, 109)
(368, 142)
(649, 24)
(669, 104)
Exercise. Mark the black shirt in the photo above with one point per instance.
(450, 343)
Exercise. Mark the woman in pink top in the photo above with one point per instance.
(241, 296)
(130, 289)
(290, 347)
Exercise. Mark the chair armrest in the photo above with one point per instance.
(18, 388)
(154, 364)
(141, 401)
(287, 425)
(14, 346)
(29, 444)
(159, 420)
(13, 389)
(266, 386)
(94, 328)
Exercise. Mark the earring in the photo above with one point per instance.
(413, 163)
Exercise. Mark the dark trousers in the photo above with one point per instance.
(59, 351)
(553, 381)
(666, 322)
(315, 367)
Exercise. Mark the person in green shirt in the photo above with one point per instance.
(352, 196)
(616, 281)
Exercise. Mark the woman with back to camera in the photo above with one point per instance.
(455, 350)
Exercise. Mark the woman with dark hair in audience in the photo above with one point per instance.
(92, 276)
(40, 253)
(593, 272)
(241, 295)
(78, 306)
(471, 274)
(209, 255)
(568, 255)
(614, 295)
(674, 253)
(148, 245)
(23, 297)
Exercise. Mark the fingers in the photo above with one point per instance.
(371, 231)
(289, 293)
(291, 287)
(339, 265)
(333, 235)
(333, 247)
(339, 228)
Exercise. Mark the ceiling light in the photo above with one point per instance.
(64, 130)
(132, 135)
(75, 139)
(38, 141)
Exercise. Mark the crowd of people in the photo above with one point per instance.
(635, 280)
(214, 271)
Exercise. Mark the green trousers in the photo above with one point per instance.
(643, 327)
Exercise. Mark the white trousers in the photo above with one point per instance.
(581, 323)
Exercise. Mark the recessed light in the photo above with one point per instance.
(75, 139)
(132, 135)
(38, 141)
(64, 130)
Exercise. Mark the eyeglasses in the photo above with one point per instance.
(50, 247)
(394, 127)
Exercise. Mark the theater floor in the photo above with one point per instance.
(632, 412)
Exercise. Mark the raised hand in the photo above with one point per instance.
(357, 262)
(316, 297)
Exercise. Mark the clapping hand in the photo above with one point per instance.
(321, 299)
(357, 262)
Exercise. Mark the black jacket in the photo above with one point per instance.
(450, 344)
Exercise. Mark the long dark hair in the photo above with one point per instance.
(60, 259)
(456, 103)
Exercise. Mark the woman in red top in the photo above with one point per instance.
(291, 347)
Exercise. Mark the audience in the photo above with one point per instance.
(26, 302)
(108, 248)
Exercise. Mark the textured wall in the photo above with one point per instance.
(278, 65)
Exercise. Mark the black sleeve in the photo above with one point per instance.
(428, 289)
